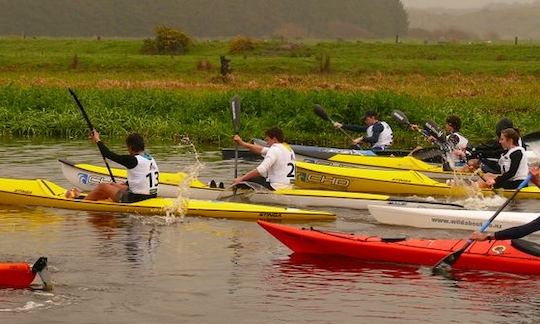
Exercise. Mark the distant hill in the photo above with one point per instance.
(204, 18)
(490, 22)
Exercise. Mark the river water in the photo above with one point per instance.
(118, 268)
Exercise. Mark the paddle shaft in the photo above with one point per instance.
(450, 259)
(235, 110)
(85, 116)
(319, 111)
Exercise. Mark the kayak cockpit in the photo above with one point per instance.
(527, 247)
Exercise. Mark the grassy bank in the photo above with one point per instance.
(168, 97)
(204, 115)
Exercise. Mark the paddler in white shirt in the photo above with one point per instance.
(277, 170)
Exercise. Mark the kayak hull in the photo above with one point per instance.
(496, 256)
(16, 275)
(86, 177)
(47, 194)
(447, 219)
(386, 163)
(314, 176)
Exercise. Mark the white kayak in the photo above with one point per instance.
(448, 218)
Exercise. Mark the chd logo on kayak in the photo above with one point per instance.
(322, 179)
(89, 179)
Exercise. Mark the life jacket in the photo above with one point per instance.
(385, 137)
(144, 178)
(505, 163)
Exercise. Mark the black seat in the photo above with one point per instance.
(527, 247)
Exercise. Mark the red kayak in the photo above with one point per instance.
(21, 275)
(515, 256)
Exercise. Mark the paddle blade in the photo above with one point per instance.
(235, 113)
(532, 141)
(400, 117)
(435, 130)
(429, 154)
(446, 263)
(319, 111)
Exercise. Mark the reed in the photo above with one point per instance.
(203, 115)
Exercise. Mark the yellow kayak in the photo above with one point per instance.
(316, 176)
(38, 192)
(86, 176)
(386, 163)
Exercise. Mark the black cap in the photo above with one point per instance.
(503, 124)
(370, 113)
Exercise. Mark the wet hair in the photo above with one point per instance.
(276, 133)
(504, 123)
(135, 142)
(454, 121)
(511, 133)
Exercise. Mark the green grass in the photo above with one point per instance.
(167, 97)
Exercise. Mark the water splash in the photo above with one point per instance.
(180, 205)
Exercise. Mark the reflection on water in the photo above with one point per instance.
(134, 269)
(402, 293)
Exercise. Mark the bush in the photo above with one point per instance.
(241, 44)
(167, 41)
(149, 47)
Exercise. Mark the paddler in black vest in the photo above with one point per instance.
(513, 163)
(486, 155)
(517, 231)
(142, 173)
(379, 134)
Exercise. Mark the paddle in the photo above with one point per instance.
(421, 154)
(532, 141)
(235, 113)
(319, 111)
(446, 263)
(91, 129)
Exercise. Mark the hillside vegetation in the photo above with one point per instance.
(204, 18)
(492, 22)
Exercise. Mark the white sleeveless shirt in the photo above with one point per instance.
(523, 169)
(144, 178)
(278, 166)
(385, 137)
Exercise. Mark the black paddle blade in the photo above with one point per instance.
(319, 111)
(532, 141)
(446, 263)
(435, 130)
(400, 117)
(429, 154)
(235, 110)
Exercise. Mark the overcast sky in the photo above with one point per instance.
(455, 4)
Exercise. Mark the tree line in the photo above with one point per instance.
(204, 18)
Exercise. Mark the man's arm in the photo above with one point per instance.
(252, 147)
(354, 128)
(377, 130)
(126, 160)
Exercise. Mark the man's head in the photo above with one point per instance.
(274, 135)
(371, 117)
(453, 123)
(135, 143)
